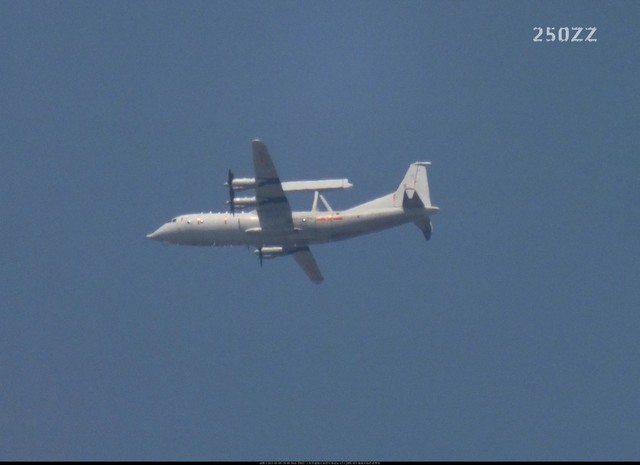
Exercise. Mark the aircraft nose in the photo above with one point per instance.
(159, 234)
(153, 235)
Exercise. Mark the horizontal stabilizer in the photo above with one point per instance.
(424, 224)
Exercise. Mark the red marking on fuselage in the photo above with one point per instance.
(321, 219)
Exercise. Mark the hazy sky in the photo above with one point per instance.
(512, 334)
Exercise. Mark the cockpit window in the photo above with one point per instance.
(173, 220)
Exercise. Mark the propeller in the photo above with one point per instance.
(232, 193)
(260, 255)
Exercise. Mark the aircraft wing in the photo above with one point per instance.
(274, 210)
(304, 258)
(272, 205)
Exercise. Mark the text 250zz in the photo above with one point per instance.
(565, 34)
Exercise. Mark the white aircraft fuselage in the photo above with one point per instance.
(225, 229)
(275, 230)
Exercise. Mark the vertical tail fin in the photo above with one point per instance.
(413, 191)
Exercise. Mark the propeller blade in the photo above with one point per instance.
(232, 193)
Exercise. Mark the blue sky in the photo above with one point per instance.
(512, 334)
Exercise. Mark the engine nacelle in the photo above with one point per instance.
(243, 202)
(270, 252)
(240, 184)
